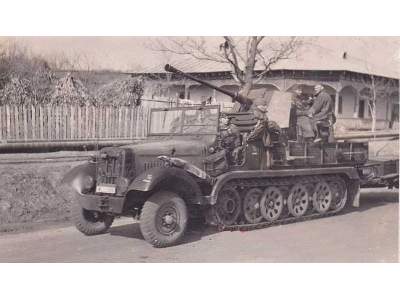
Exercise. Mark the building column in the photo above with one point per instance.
(187, 87)
(356, 104)
(388, 103)
(336, 104)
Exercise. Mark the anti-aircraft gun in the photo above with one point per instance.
(180, 173)
(245, 102)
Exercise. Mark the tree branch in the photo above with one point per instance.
(229, 45)
(189, 47)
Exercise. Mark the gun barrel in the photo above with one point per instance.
(172, 69)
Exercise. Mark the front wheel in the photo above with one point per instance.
(90, 222)
(164, 219)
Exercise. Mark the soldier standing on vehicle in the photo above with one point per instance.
(304, 123)
(261, 133)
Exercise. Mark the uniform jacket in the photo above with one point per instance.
(322, 107)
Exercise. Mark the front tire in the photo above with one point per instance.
(163, 220)
(90, 222)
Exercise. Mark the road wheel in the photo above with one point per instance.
(228, 207)
(322, 197)
(251, 206)
(90, 222)
(339, 194)
(164, 219)
(272, 204)
(298, 200)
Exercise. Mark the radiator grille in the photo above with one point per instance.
(114, 163)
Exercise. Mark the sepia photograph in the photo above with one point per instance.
(199, 149)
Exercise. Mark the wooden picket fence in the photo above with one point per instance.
(73, 122)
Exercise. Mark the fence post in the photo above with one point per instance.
(86, 121)
(1, 123)
(94, 122)
(8, 121)
(25, 120)
(80, 123)
(33, 114)
(112, 133)
(16, 121)
(57, 122)
(64, 121)
(41, 121)
(119, 127)
(126, 133)
(72, 109)
(131, 111)
(49, 121)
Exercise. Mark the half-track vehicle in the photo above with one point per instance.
(190, 167)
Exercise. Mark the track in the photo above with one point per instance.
(335, 197)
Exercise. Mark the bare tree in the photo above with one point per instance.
(23, 76)
(249, 58)
(377, 89)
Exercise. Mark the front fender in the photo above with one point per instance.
(85, 169)
(176, 179)
(148, 180)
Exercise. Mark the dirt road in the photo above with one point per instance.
(369, 234)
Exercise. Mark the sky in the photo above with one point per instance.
(131, 53)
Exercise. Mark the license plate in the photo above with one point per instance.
(106, 189)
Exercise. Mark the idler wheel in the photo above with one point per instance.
(251, 206)
(339, 194)
(228, 206)
(298, 200)
(272, 204)
(322, 197)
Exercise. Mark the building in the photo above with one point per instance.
(345, 77)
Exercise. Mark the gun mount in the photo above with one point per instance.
(245, 102)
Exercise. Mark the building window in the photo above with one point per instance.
(395, 112)
(340, 104)
(181, 95)
(361, 109)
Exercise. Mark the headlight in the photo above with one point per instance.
(87, 183)
(368, 172)
(211, 150)
(122, 185)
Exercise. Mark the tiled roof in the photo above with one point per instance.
(314, 58)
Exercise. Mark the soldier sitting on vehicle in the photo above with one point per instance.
(322, 113)
(230, 140)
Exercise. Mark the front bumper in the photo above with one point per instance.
(100, 203)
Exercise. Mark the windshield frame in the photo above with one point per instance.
(182, 109)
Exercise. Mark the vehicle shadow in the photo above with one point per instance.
(196, 231)
(373, 198)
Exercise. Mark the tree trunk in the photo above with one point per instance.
(249, 69)
(373, 125)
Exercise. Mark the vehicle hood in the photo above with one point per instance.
(171, 147)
